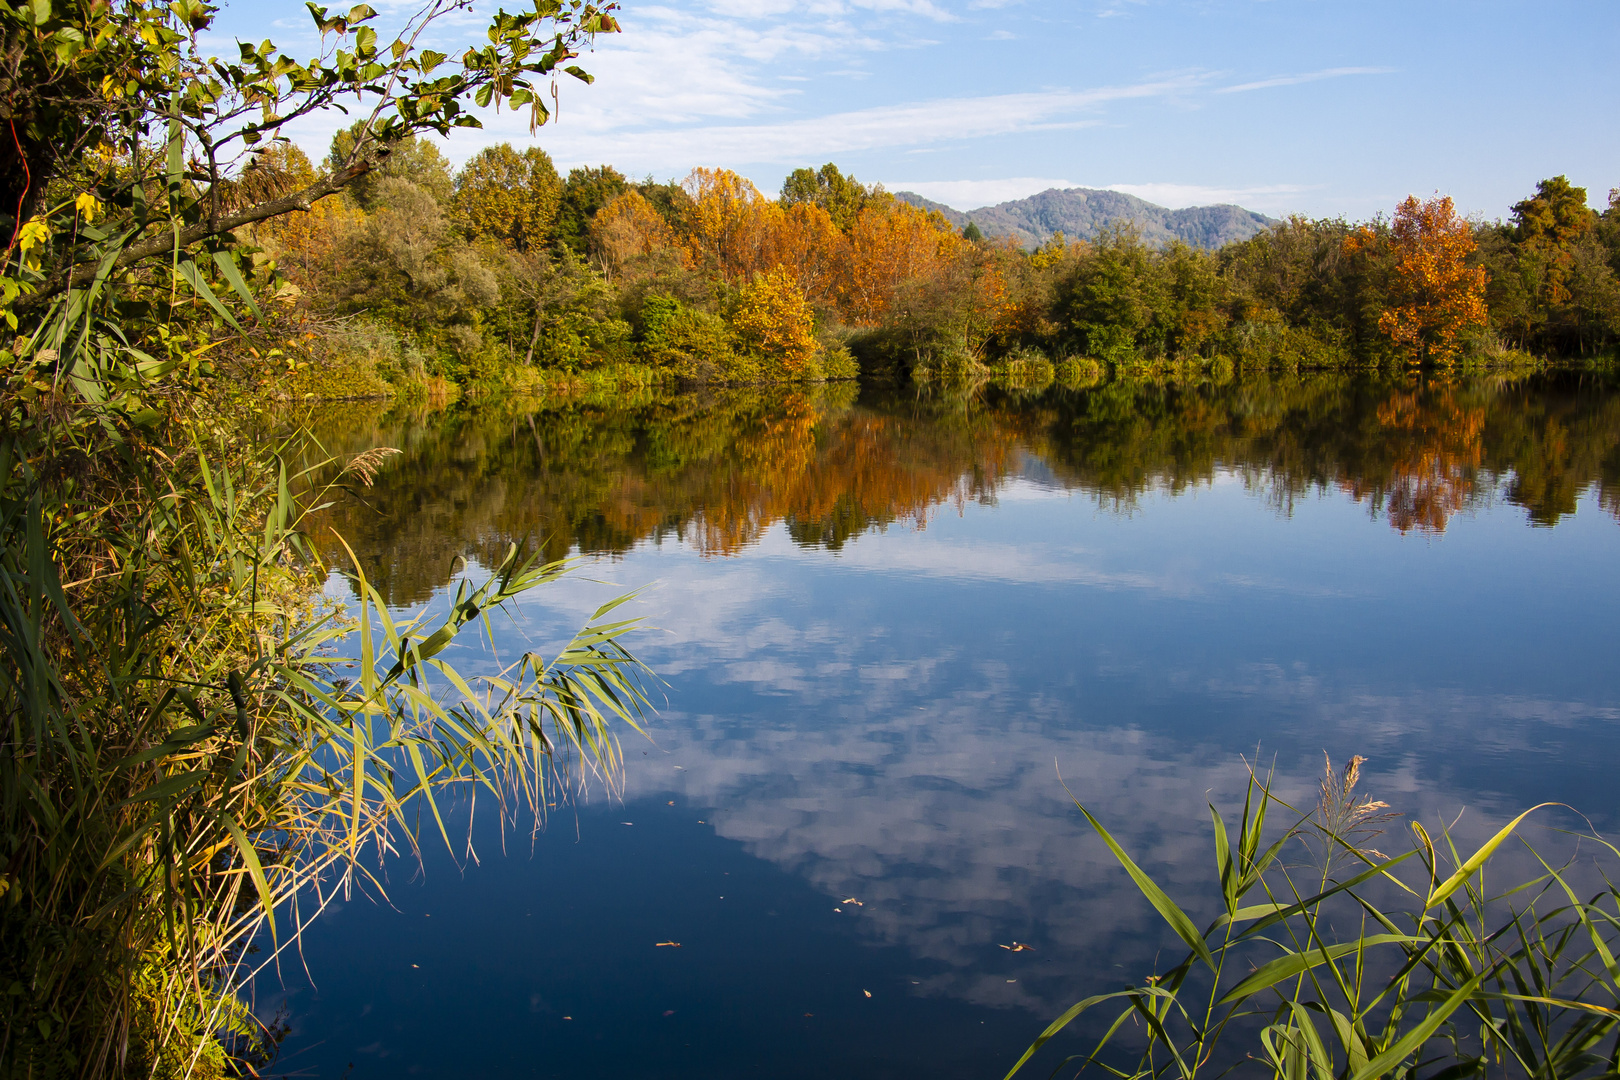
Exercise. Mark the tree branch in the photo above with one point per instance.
(165, 243)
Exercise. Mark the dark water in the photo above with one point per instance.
(888, 625)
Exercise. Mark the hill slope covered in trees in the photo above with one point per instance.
(1080, 213)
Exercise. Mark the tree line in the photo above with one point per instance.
(504, 268)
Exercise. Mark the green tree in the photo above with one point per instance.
(843, 197)
(508, 197)
(585, 192)
(409, 158)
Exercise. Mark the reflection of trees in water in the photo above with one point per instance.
(1416, 452)
(714, 469)
(718, 469)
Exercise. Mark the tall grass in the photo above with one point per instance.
(195, 754)
(1353, 965)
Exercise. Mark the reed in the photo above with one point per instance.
(1447, 977)
(196, 754)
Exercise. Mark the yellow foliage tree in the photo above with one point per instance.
(628, 228)
(1434, 294)
(508, 197)
(730, 227)
(774, 319)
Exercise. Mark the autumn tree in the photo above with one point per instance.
(585, 192)
(774, 320)
(626, 229)
(730, 226)
(1434, 294)
(888, 245)
(507, 197)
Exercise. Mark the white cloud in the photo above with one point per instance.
(1294, 80)
(818, 137)
(1176, 196)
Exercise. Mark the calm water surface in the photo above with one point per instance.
(889, 625)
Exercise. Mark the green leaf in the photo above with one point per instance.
(1477, 859)
(1173, 915)
(1295, 963)
(1419, 1035)
(233, 276)
(1223, 862)
(194, 278)
(255, 868)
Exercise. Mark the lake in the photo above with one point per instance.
(895, 630)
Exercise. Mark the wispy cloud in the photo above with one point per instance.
(880, 127)
(1176, 196)
(1309, 76)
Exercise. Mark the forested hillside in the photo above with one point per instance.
(1081, 213)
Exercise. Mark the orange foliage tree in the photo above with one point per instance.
(889, 245)
(807, 244)
(729, 227)
(1434, 294)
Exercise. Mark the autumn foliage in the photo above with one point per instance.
(709, 279)
(1434, 294)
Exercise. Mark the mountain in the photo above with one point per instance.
(1080, 212)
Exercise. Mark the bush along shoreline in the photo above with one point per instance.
(505, 277)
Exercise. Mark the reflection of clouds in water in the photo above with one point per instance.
(920, 775)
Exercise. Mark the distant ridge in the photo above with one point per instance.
(1079, 213)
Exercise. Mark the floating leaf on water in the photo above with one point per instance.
(852, 900)
(671, 944)
(1019, 946)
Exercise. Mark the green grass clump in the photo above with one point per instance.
(1354, 965)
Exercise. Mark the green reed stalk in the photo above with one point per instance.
(189, 755)
(1453, 980)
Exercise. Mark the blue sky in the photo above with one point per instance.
(1322, 107)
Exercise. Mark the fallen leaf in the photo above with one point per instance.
(1019, 946)
(852, 900)
(671, 944)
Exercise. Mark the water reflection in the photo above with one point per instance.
(717, 469)
(931, 606)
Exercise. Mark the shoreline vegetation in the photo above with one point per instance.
(197, 756)
(505, 278)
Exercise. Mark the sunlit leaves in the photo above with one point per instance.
(1435, 295)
